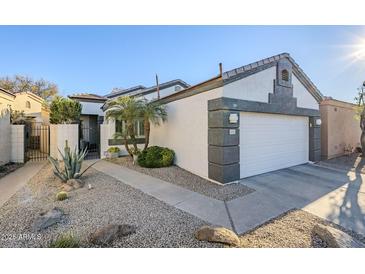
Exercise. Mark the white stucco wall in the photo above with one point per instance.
(304, 98)
(163, 92)
(91, 108)
(186, 131)
(59, 134)
(254, 88)
(258, 86)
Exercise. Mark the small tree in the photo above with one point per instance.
(65, 111)
(126, 109)
(152, 112)
(361, 114)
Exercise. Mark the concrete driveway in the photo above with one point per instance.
(335, 195)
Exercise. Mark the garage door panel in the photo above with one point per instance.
(269, 142)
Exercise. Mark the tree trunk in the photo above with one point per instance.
(127, 147)
(362, 138)
(147, 129)
(130, 126)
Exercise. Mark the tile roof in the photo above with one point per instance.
(88, 96)
(143, 90)
(7, 91)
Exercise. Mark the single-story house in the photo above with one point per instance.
(250, 120)
(340, 129)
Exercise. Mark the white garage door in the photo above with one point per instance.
(269, 142)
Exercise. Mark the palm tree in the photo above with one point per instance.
(126, 109)
(152, 112)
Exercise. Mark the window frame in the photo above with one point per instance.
(139, 127)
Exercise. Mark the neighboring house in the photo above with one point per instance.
(32, 105)
(91, 117)
(340, 129)
(254, 119)
(6, 99)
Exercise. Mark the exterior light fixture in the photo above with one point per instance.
(233, 118)
(318, 122)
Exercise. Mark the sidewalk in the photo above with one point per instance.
(14, 181)
(208, 209)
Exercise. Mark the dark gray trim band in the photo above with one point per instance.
(118, 142)
(253, 106)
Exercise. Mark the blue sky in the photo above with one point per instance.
(97, 58)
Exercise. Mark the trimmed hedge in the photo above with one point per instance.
(156, 156)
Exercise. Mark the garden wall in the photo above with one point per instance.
(339, 128)
(58, 136)
(5, 144)
(17, 143)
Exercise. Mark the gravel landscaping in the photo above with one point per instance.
(352, 162)
(8, 168)
(183, 178)
(108, 202)
(291, 229)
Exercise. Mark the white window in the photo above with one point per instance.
(138, 127)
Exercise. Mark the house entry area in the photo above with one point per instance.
(89, 136)
(36, 144)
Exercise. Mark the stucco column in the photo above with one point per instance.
(223, 142)
(314, 139)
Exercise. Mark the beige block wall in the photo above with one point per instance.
(58, 136)
(5, 134)
(339, 128)
(17, 143)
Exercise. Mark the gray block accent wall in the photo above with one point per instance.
(223, 145)
(314, 139)
(224, 135)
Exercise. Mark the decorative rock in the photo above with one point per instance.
(67, 187)
(336, 238)
(48, 219)
(75, 183)
(109, 233)
(217, 234)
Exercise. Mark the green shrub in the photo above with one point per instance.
(156, 156)
(3, 169)
(62, 195)
(65, 241)
(113, 149)
(64, 111)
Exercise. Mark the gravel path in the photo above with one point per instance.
(183, 178)
(291, 229)
(159, 225)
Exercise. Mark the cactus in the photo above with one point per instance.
(72, 163)
(62, 195)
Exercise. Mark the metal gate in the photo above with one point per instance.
(90, 138)
(36, 145)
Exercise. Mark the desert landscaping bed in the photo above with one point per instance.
(108, 202)
(353, 162)
(183, 178)
(291, 229)
(8, 168)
